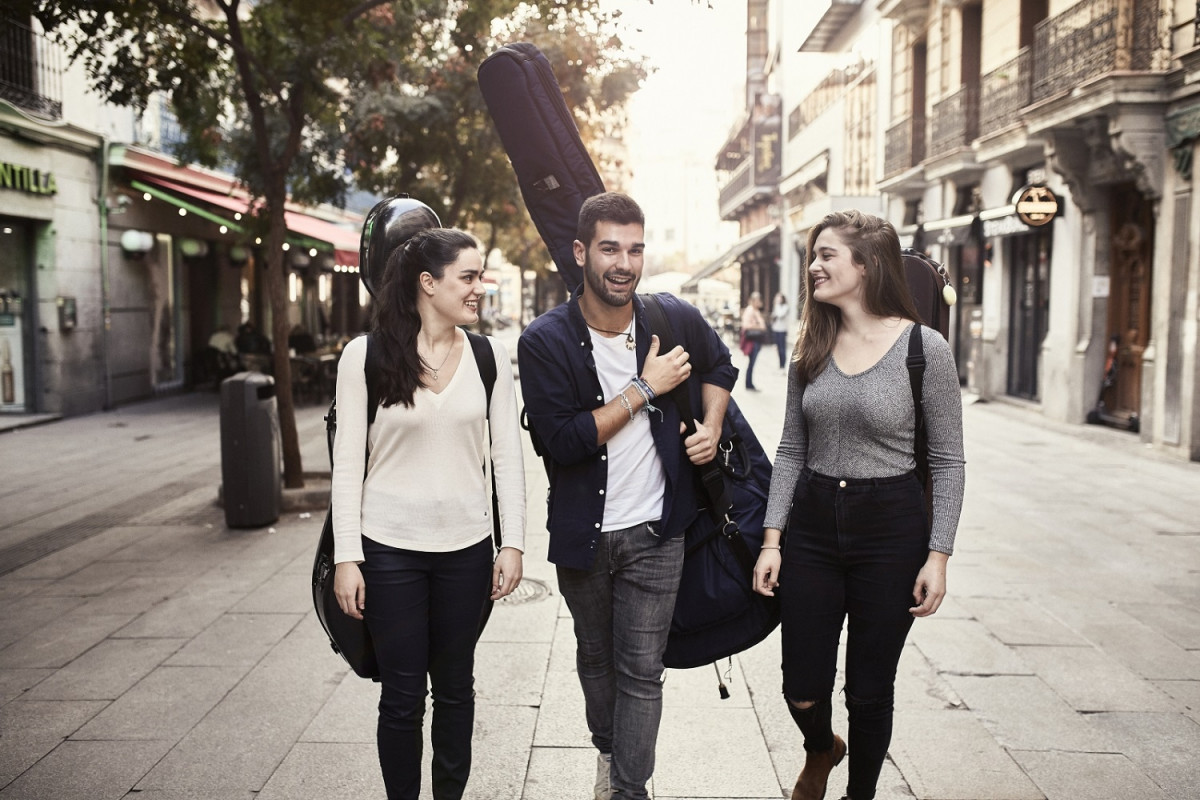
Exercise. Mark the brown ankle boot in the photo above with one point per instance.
(817, 766)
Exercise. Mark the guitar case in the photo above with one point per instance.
(553, 168)
(932, 292)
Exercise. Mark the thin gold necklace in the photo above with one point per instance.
(629, 343)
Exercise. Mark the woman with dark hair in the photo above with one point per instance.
(413, 538)
(859, 544)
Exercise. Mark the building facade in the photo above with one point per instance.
(117, 263)
(1047, 163)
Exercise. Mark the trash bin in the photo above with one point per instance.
(250, 450)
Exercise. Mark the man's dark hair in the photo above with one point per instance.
(607, 207)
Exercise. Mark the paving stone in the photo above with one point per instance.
(949, 755)
(919, 686)
(252, 729)
(1185, 693)
(699, 757)
(1179, 622)
(557, 773)
(87, 771)
(700, 687)
(1145, 651)
(501, 743)
(16, 682)
(349, 715)
(510, 674)
(133, 595)
(1088, 680)
(187, 614)
(164, 705)
(562, 720)
(11, 589)
(106, 671)
(562, 647)
(61, 641)
(1096, 776)
(27, 614)
(235, 639)
(1019, 621)
(82, 554)
(331, 770)
(533, 621)
(42, 726)
(1164, 746)
(965, 647)
(279, 594)
(1024, 713)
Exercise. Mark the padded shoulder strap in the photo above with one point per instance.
(371, 367)
(660, 326)
(916, 379)
(485, 357)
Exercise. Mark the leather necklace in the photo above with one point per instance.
(629, 342)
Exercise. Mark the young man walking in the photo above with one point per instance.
(595, 387)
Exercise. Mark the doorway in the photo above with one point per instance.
(1029, 310)
(1130, 276)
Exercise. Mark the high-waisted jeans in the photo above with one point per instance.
(423, 611)
(853, 549)
(622, 609)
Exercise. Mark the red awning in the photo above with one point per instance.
(344, 241)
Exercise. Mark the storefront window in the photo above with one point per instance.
(14, 270)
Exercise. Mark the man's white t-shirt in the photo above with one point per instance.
(636, 482)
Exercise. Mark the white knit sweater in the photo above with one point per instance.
(426, 487)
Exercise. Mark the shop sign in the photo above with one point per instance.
(1035, 205)
(1003, 226)
(26, 179)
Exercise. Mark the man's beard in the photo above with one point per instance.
(598, 287)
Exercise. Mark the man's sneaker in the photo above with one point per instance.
(603, 776)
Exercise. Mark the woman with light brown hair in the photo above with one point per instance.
(859, 544)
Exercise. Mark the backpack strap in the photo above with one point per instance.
(485, 358)
(916, 380)
(712, 477)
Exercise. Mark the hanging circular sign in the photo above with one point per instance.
(1035, 205)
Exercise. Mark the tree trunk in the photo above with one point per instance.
(276, 276)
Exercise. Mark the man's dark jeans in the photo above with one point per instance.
(853, 549)
(423, 611)
(622, 608)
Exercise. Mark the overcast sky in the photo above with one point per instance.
(682, 115)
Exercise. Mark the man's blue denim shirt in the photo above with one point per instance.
(561, 388)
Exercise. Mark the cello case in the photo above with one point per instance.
(553, 168)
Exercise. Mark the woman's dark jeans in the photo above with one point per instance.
(754, 348)
(853, 549)
(423, 612)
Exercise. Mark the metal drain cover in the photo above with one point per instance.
(530, 590)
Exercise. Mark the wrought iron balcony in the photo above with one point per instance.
(1092, 38)
(955, 121)
(739, 183)
(1004, 91)
(30, 70)
(904, 145)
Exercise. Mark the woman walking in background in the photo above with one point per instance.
(859, 543)
(754, 333)
(413, 540)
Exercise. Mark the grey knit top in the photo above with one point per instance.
(861, 426)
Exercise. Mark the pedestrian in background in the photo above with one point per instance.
(621, 487)
(779, 326)
(858, 541)
(754, 333)
(413, 540)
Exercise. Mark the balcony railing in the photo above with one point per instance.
(955, 121)
(904, 145)
(1092, 38)
(30, 70)
(739, 182)
(1004, 91)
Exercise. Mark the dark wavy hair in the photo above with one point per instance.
(873, 243)
(607, 207)
(397, 322)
